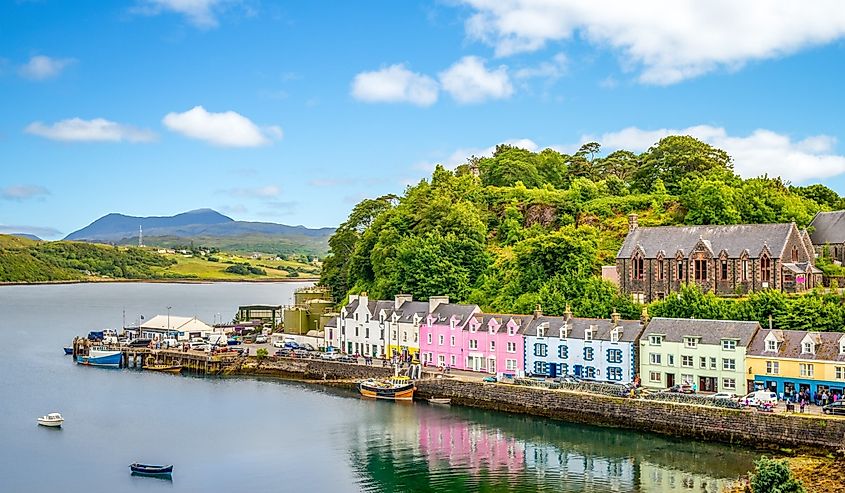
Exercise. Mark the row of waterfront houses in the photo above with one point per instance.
(713, 355)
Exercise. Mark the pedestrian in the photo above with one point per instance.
(824, 398)
(802, 405)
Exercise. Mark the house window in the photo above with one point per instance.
(540, 368)
(429, 339)
(441, 360)
(637, 267)
(563, 351)
(690, 342)
(765, 268)
(728, 344)
(655, 376)
(492, 345)
(807, 348)
(540, 331)
(700, 269)
(654, 340)
(806, 369)
(654, 358)
(724, 270)
(660, 274)
(540, 350)
(563, 368)
(473, 344)
(440, 339)
(744, 269)
(452, 341)
(589, 372)
(680, 269)
(686, 361)
(686, 378)
(771, 346)
(614, 336)
(795, 254)
(713, 363)
(510, 364)
(429, 357)
(728, 384)
(511, 347)
(588, 354)
(614, 373)
(670, 359)
(840, 372)
(702, 362)
(367, 333)
(452, 360)
(588, 335)
(728, 364)
(614, 356)
(772, 367)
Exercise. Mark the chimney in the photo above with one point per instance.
(363, 299)
(567, 314)
(538, 312)
(435, 301)
(614, 317)
(401, 298)
(632, 222)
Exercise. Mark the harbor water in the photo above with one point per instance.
(228, 434)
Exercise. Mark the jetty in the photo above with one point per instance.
(198, 362)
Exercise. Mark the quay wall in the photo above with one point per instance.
(813, 434)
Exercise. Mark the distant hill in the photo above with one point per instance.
(208, 228)
(25, 235)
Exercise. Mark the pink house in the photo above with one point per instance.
(460, 337)
(442, 334)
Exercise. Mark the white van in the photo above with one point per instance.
(759, 397)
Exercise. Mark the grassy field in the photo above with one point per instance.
(200, 268)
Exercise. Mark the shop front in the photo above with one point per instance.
(790, 387)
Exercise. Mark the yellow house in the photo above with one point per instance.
(789, 361)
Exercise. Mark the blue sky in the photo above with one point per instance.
(293, 112)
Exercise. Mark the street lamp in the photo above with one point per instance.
(168, 317)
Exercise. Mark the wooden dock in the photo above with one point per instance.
(198, 362)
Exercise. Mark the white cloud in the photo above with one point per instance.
(469, 81)
(39, 231)
(460, 156)
(761, 152)
(227, 129)
(395, 84)
(201, 13)
(268, 191)
(19, 193)
(42, 67)
(96, 130)
(552, 69)
(671, 40)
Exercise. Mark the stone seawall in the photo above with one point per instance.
(811, 433)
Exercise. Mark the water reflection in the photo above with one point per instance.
(421, 448)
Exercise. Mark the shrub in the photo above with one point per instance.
(774, 476)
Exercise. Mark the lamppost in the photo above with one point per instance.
(168, 317)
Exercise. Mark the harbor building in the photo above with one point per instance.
(172, 327)
(495, 344)
(443, 335)
(595, 349)
(789, 361)
(707, 354)
(403, 326)
(726, 260)
(311, 310)
(266, 314)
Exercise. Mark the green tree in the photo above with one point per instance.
(774, 476)
(709, 201)
(675, 158)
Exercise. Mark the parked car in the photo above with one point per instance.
(169, 343)
(308, 347)
(683, 388)
(200, 347)
(301, 353)
(233, 342)
(567, 379)
(345, 358)
(723, 395)
(837, 407)
(139, 342)
(278, 344)
(489, 379)
(261, 340)
(331, 355)
(760, 397)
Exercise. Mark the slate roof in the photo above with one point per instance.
(332, 322)
(827, 345)
(708, 331)
(351, 308)
(829, 227)
(577, 326)
(444, 312)
(732, 238)
(407, 310)
(522, 321)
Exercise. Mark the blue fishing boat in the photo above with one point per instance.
(150, 470)
(100, 357)
(68, 350)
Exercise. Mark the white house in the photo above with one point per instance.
(173, 327)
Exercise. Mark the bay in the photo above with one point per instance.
(242, 434)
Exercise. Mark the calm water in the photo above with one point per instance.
(228, 435)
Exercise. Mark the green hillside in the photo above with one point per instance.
(535, 228)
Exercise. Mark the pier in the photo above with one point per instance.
(198, 362)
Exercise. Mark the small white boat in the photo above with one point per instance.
(440, 400)
(52, 419)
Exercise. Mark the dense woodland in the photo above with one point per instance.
(535, 228)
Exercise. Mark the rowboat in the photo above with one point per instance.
(440, 400)
(100, 357)
(150, 470)
(68, 350)
(164, 368)
(394, 388)
(53, 420)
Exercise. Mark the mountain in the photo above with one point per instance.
(25, 235)
(206, 227)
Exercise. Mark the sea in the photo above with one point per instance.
(226, 434)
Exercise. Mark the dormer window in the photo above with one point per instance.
(808, 348)
(690, 342)
(614, 335)
(771, 345)
(381, 317)
(728, 344)
(540, 332)
(588, 334)
(655, 340)
(842, 347)
(452, 325)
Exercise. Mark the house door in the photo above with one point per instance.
(491, 365)
(576, 370)
(707, 384)
(553, 370)
(670, 379)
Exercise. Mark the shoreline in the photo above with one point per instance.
(159, 281)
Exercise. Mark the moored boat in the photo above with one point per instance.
(164, 368)
(150, 470)
(394, 388)
(100, 357)
(440, 400)
(53, 420)
(68, 350)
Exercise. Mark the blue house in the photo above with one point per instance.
(589, 348)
